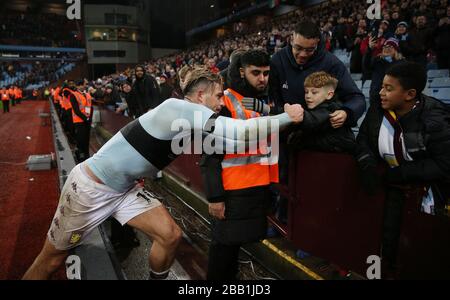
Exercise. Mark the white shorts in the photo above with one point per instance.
(85, 204)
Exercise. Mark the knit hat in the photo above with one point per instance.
(403, 23)
(392, 42)
(127, 81)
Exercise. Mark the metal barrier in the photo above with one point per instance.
(329, 215)
(424, 244)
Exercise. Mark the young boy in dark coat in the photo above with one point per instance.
(410, 135)
(316, 132)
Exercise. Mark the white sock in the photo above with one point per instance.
(159, 275)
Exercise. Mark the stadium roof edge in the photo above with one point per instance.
(237, 16)
(40, 49)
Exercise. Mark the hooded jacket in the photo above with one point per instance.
(286, 83)
(244, 208)
(146, 93)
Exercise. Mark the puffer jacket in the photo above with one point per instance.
(426, 131)
(316, 133)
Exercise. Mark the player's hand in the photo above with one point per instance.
(217, 210)
(295, 112)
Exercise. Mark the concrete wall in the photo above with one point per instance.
(138, 19)
(95, 14)
(131, 50)
(161, 52)
(144, 52)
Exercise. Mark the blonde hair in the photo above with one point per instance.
(184, 71)
(321, 80)
(200, 76)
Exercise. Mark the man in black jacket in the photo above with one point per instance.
(422, 38)
(441, 41)
(146, 93)
(410, 135)
(239, 210)
(306, 55)
(289, 68)
(233, 57)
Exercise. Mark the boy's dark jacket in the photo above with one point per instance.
(316, 133)
(426, 131)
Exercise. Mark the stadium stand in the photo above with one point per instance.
(33, 75)
(38, 29)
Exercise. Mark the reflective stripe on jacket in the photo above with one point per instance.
(242, 171)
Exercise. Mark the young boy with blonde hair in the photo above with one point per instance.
(316, 132)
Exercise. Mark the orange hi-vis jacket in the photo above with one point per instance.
(84, 104)
(56, 96)
(18, 93)
(89, 99)
(4, 94)
(65, 101)
(12, 94)
(242, 171)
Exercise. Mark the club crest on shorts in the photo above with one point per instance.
(75, 238)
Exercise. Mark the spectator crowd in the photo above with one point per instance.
(38, 29)
(289, 61)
